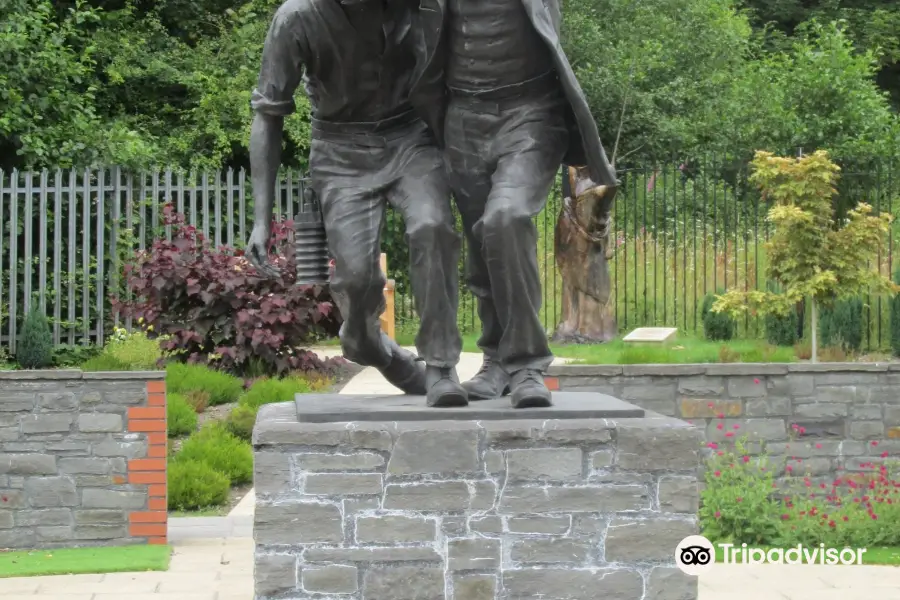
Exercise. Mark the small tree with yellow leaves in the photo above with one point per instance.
(809, 254)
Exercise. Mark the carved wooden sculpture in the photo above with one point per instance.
(583, 249)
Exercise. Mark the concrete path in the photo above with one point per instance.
(213, 558)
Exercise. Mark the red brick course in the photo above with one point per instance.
(151, 471)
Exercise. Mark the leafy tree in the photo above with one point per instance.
(810, 255)
(816, 94)
(872, 25)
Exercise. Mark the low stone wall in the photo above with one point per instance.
(82, 458)
(473, 510)
(846, 416)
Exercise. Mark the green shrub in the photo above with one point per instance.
(181, 417)
(717, 327)
(268, 391)
(895, 318)
(782, 330)
(194, 485)
(222, 451)
(841, 325)
(104, 362)
(185, 378)
(66, 355)
(241, 421)
(35, 349)
(135, 349)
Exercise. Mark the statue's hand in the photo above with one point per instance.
(257, 251)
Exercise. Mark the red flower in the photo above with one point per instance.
(818, 446)
(874, 443)
(718, 514)
(785, 517)
(831, 523)
(710, 405)
(846, 518)
(884, 454)
(736, 427)
(756, 381)
(712, 445)
(718, 473)
(739, 499)
(720, 415)
(729, 434)
(746, 459)
(720, 426)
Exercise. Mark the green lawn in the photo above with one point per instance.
(684, 350)
(72, 561)
(872, 556)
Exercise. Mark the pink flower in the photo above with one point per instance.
(718, 474)
(718, 514)
(874, 444)
(712, 445)
(746, 459)
(720, 426)
(736, 427)
(729, 434)
(756, 381)
(818, 446)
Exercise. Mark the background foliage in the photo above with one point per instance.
(168, 82)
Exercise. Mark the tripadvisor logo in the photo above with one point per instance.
(696, 555)
(795, 555)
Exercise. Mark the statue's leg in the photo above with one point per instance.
(349, 179)
(469, 162)
(422, 195)
(532, 140)
(353, 219)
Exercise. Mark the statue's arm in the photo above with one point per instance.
(283, 60)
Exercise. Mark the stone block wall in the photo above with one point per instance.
(82, 459)
(833, 416)
(459, 510)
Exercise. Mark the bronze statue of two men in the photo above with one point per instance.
(412, 101)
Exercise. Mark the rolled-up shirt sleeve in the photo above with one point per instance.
(283, 60)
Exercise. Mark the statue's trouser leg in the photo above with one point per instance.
(422, 195)
(502, 158)
(347, 173)
(354, 174)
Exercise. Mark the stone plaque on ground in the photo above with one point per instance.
(651, 334)
(489, 504)
(324, 408)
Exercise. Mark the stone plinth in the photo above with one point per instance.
(496, 507)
